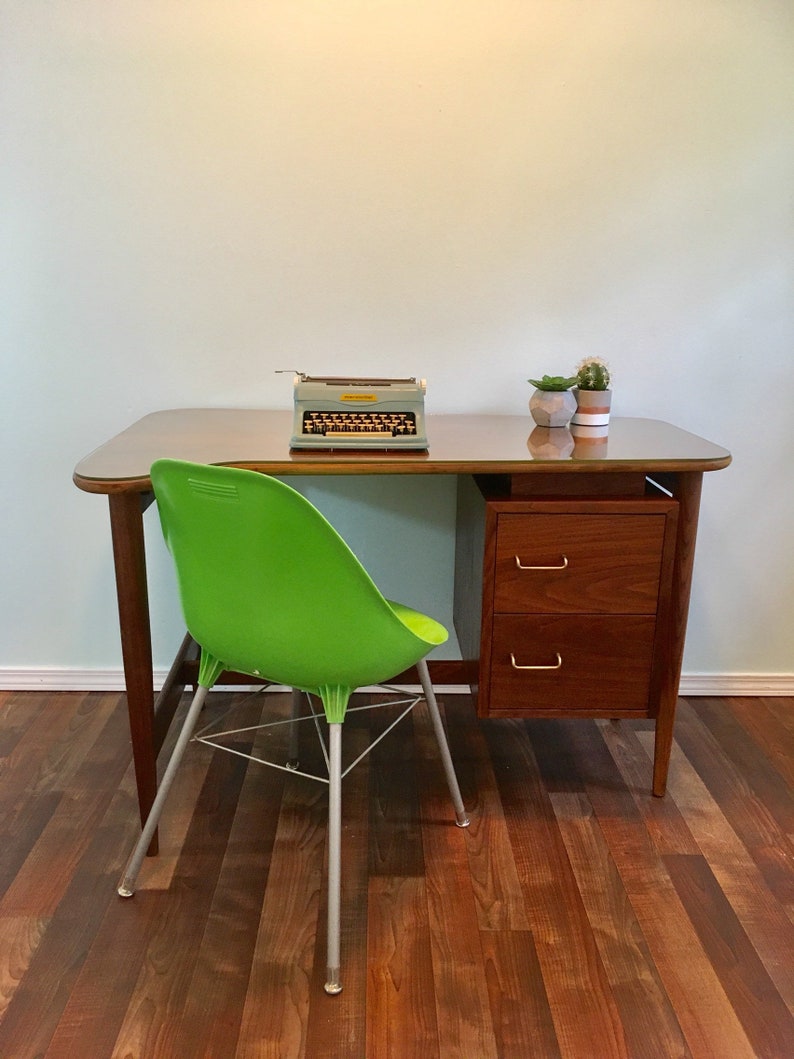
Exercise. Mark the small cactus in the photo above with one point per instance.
(592, 374)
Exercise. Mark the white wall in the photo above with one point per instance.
(195, 194)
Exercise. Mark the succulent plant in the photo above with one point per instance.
(553, 383)
(592, 374)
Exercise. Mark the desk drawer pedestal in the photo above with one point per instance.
(563, 606)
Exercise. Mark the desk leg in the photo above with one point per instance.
(126, 522)
(686, 488)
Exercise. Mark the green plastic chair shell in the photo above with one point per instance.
(270, 589)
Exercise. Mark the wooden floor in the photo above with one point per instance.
(577, 917)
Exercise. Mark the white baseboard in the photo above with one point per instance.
(45, 678)
(56, 679)
(736, 684)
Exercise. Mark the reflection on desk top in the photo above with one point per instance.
(459, 444)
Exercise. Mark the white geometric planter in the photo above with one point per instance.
(552, 408)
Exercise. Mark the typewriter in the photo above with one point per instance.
(348, 413)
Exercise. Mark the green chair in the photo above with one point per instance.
(269, 589)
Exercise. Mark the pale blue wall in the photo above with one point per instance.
(194, 195)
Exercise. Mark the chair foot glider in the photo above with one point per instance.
(269, 589)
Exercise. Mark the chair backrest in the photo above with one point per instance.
(268, 587)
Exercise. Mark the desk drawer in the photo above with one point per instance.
(600, 664)
(595, 563)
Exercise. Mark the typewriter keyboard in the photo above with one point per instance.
(359, 424)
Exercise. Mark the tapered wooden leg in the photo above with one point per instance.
(686, 488)
(126, 523)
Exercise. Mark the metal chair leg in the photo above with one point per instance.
(292, 753)
(126, 887)
(461, 816)
(333, 984)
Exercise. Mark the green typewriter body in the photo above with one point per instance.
(360, 413)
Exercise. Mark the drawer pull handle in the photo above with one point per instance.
(560, 566)
(515, 664)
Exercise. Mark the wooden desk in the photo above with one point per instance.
(519, 472)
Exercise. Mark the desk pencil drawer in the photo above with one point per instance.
(595, 563)
(545, 663)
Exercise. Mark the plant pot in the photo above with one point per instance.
(592, 408)
(552, 408)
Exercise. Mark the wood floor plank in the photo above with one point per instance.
(585, 747)
(41, 801)
(459, 979)
(578, 917)
(76, 806)
(770, 723)
(782, 709)
(20, 711)
(33, 788)
(38, 1003)
(97, 1003)
(766, 1020)
(459, 976)
(395, 838)
(40, 884)
(649, 1022)
(275, 1015)
(23, 819)
(519, 1008)
(705, 1014)
(58, 742)
(760, 914)
(209, 1023)
(578, 990)
(754, 797)
(36, 1007)
(152, 1021)
(20, 936)
(401, 1007)
(494, 876)
(89, 755)
(157, 872)
(32, 744)
(754, 801)
(661, 817)
(561, 768)
(102, 982)
(91, 1023)
(776, 864)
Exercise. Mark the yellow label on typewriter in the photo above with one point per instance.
(359, 397)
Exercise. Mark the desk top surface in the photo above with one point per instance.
(458, 444)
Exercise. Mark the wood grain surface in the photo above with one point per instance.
(577, 918)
